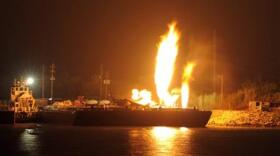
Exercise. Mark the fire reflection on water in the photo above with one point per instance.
(28, 142)
(163, 133)
(159, 140)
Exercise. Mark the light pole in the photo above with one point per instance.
(43, 82)
(52, 78)
(221, 88)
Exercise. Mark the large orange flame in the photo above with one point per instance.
(164, 70)
(165, 64)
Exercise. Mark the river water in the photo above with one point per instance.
(69, 140)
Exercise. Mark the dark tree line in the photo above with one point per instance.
(253, 91)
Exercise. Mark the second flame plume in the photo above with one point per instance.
(185, 88)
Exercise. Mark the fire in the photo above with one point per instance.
(185, 89)
(165, 65)
(143, 97)
(164, 70)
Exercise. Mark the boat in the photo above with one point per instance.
(128, 113)
(23, 102)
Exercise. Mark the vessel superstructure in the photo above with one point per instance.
(23, 101)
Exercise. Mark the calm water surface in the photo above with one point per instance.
(67, 140)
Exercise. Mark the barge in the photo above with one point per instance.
(152, 117)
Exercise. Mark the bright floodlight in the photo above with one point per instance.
(30, 81)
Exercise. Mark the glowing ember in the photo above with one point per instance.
(143, 97)
(165, 62)
(185, 89)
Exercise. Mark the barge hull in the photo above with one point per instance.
(184, 118)
(56, 117)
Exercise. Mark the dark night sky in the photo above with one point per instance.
(122, 35)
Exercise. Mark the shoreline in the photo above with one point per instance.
(244, 118)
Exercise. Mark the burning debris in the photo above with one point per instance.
(143, 97)
(164, 71)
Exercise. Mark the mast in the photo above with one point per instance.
(101, 82)
(107, 87)
(222, 89)
(52, 78)
(214, 61)
(43, 82)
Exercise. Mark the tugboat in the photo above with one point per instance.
(23, 102)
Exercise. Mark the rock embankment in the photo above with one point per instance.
(244, 118)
